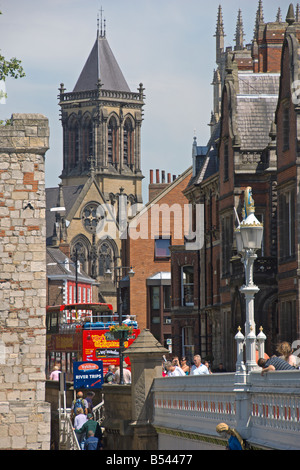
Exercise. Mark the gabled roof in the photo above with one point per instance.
(70, 195)
(59, 266)
(101, 64)
(163, 193)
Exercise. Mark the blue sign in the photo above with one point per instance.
(88, 374)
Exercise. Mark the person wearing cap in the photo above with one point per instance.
(90, 425)
(235, 441)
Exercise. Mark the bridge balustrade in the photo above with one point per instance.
(264, 409)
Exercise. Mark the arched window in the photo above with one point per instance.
(73, 141)
(87, 141)
(128, 142)
(112, 141)
(106, 258)
(80, 252)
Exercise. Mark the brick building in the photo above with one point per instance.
(243, 151)
(65, 283)
(152, 233)
(287, 122)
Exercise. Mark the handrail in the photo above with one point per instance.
(98, 412)
(67, 438)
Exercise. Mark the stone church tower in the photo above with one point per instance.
(101, 121)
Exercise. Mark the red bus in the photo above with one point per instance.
(76, 332)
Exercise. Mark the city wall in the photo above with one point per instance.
(24, 414)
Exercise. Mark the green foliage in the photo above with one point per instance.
(10, 68)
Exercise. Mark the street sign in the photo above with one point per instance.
(88, 374)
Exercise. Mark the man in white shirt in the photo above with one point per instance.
(198, 368)
(173, 371)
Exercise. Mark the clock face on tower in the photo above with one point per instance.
(90, 218)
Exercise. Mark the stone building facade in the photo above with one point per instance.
(101, 126)
(253, 143)
(24, 414)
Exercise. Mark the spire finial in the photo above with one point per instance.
(102, 28)
(239, 33)
(259, 18)
(278, 16)
(290, 17)
(220, 24)
(297, 13)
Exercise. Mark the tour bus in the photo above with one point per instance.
(76, 332)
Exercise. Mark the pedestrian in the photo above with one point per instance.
(172, 370)
(235, 441)
(286, 353)
(126, 374)
(257, 354)
(220, 368)
(198, 368)
(55, 374)
(175, 361)
(184, 366)
(109, 377)
(90, 425)
(80, 402)
(274, 363)
(89, 399)
(92, 442)
(79, 421)
(206, 363)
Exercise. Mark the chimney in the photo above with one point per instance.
(151, 176)
(157, 176)
(163, 178)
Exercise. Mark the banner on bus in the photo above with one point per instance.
(88, 374)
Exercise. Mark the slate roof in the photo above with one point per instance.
(210, 162)
(258, 83)
(70, 194)
(56, 266)
(256, 104)
(255, 115)
(101, 64)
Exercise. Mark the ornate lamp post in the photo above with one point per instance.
(121, 332)
(248, 240)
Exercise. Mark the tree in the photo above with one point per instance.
(9, 68)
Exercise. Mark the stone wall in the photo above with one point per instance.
(24, 415)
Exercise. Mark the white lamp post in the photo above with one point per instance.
(248, 239)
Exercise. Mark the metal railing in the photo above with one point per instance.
(67, 436)
(264, 410)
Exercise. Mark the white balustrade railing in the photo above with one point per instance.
(265, 410)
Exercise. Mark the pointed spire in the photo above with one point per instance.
(278, 16)
(220, 24)
(290, 17)
(297, 13)
(260, 13)
(259, 18)
(219, 37)
(239, 33)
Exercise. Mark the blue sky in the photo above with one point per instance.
(167, 45)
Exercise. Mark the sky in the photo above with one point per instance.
(168, 45)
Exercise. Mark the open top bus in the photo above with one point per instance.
(76, 332)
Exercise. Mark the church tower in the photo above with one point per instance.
(101, 178)
(101, 120)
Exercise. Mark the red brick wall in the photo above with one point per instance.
(140, 253)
